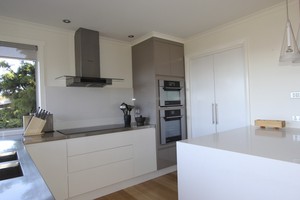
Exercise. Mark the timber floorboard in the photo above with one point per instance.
(161, 188)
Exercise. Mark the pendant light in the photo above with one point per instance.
(298, 38)
(289, 50)
(298, 33)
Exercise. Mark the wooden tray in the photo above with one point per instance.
(270, 123)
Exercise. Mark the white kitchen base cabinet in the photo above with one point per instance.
(102, 160)
(95, 178)
(50, 159)
(85, 164)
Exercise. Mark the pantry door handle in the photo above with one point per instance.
(213, 112)
(216, 113)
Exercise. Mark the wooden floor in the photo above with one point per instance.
(161, 188)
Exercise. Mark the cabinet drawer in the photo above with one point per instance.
(99, 158)
(85, 145)
(92, 179)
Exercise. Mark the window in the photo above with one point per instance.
(17, 83)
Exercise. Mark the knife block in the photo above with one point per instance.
(34, 126)
(49, 124)
(26, 120)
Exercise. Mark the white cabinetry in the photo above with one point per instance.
(50, 159)
(75, 166)
(98, 161)
(248, 163)
(144, 151)
(218, 92)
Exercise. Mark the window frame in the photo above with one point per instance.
(40, 77)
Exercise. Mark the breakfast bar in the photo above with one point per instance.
(246, 163)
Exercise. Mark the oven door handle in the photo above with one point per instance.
(172, 88)
(173, 117)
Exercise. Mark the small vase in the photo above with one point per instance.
(127, 120)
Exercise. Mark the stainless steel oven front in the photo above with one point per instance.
(171, 93)
(172, 125)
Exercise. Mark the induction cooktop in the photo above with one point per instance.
(90, 129)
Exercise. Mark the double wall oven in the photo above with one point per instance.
(171, 111)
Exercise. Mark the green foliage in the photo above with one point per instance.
(20, 88)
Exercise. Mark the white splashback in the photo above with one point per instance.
(74, 107)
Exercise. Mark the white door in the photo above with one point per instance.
(230, 87)
(202, 96)
(218, 92)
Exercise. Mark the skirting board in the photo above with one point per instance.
(124, 184)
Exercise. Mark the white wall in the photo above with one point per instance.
(270, 83)
(56, 58)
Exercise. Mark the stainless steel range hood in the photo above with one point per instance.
(87, 61)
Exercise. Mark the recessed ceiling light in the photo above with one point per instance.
(67, 21)
(131, 36)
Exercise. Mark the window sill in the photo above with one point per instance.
(13, 131)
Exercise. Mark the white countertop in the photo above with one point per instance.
(280, 144)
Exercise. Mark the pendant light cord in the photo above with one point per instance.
(287, 9)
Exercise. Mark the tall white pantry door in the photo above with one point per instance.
(218, 92)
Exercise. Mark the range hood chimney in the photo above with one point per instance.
(87, 61)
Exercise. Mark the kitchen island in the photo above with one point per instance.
(242, 164)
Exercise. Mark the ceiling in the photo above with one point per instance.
(120, 18)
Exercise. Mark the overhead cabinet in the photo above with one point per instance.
(218, 92)
(168, 58)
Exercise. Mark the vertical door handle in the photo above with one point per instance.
(213, 112)
(216, 113)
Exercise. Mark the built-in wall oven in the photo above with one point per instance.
(172, 125)
(172, 110)
(171, 119)
(171, 93)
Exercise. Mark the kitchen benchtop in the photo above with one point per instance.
(80, 132)
(279, 144)
(31, 185)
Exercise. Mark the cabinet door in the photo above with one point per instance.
(99, 161)
(202, 96)
(162, 58)
(168, 59)
(177, 60)
(144, 151)
(230, 87)
(51, 160)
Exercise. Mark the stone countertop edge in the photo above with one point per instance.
(54, 136)
(31, 185)
(278, 144)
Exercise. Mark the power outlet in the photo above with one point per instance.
(295, 95)
(296, 118)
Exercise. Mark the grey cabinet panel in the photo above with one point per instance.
(144, 79)
(168, 58)
(152, 59)
(177, 60)
(162, 58)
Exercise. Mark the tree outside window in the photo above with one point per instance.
(17, 91)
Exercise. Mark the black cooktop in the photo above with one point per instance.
(90, 129)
